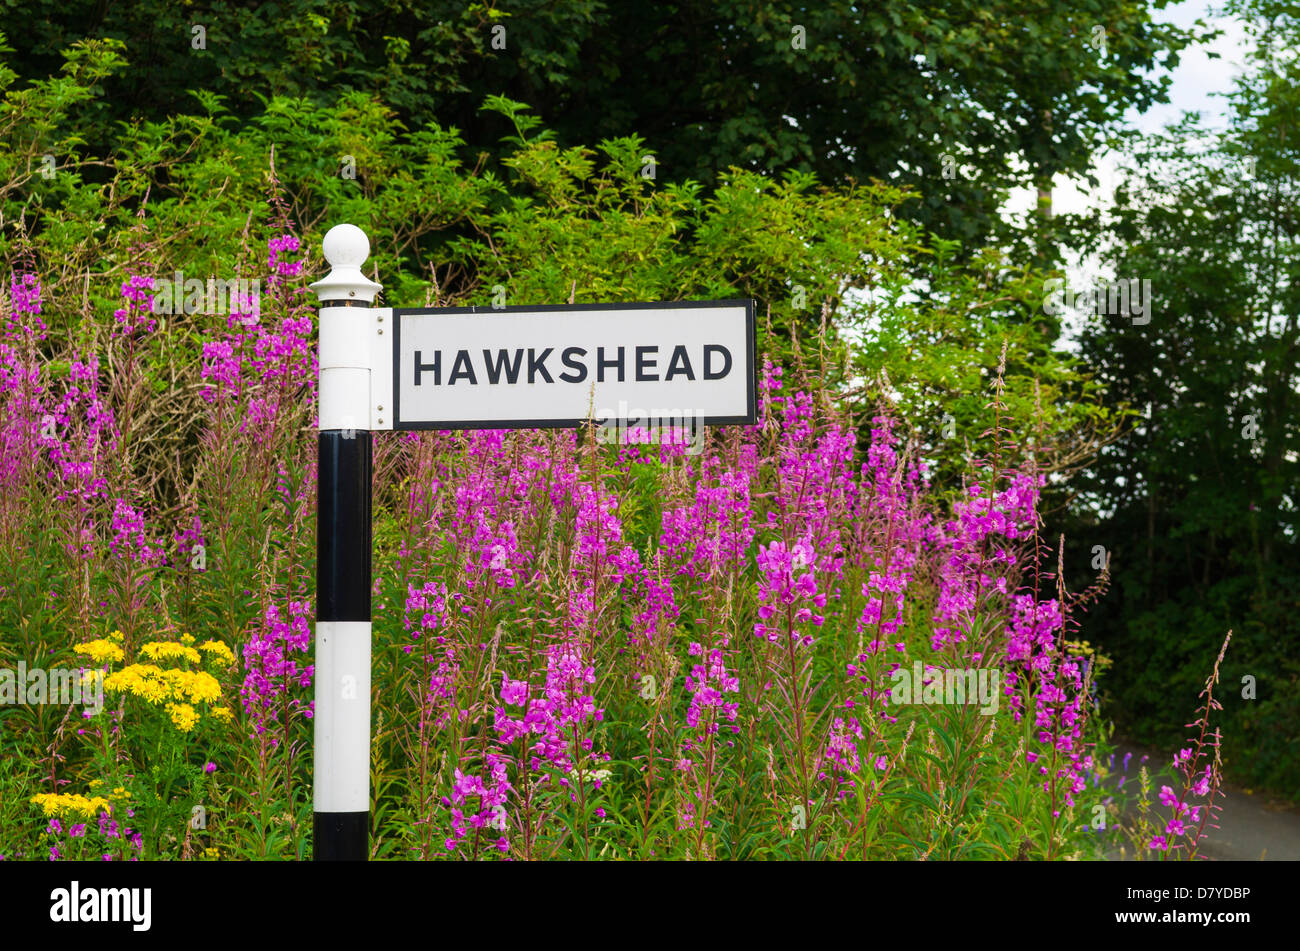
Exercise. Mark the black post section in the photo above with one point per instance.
(343, 541)
(343, 526)
(341, 836)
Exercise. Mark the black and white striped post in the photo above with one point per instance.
(341, 768)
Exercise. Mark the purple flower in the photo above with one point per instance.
(513, 692)
(275, 664)
(137, 315)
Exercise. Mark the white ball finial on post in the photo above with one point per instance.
(346, 248)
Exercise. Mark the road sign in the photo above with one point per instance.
(533, 367)
(679, 363)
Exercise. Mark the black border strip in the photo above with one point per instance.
(751, 335)
(344, 302)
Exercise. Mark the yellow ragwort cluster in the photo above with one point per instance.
(179, 691)
(218, 650)
(71, 805)
(158, 685)
(183, 716)
(118, 794)
(170, 650)
(101, 651)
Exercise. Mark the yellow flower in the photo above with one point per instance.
(116, 636)
(121, 792)
(141, 680)
(218, 649)
(212, 853)
(196, 686)
(71, 805)
(100, 651)
(183, 716)
(168, 650)
(223, 714)
(187, 639)
(157, 685)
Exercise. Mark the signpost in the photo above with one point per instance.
(620, 365)
(530, 367)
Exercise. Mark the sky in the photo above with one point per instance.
(1196, 84)
(1197, 77)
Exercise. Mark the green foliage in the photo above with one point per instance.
(1015, 92)
(842, 278)
(856, 298)
(1198, 502)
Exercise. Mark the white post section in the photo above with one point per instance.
(341, 764)
(345, 335)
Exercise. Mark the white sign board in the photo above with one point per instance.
(536, 367)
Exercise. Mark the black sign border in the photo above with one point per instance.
(751, 342)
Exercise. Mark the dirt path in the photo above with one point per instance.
(1251, 826)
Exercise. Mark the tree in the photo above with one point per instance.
(1199, 504)
(958, 99)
